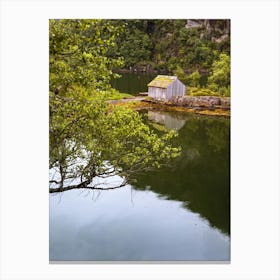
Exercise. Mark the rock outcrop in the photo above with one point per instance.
(202, 102)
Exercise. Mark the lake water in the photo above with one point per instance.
(133, 83)
(179, 213)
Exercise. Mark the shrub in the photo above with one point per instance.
(193, 79)
(195, 91)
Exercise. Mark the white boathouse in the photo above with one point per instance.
(166, 87)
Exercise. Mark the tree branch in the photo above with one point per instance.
(84, 185)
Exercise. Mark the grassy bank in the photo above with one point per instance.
(116, 95)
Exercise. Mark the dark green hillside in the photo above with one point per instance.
(197, 51)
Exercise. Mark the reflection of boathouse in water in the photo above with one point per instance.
(169, 121)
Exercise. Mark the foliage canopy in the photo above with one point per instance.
(90, 140)
(219, 80)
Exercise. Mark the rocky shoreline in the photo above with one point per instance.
(203, 102)
(204, 105)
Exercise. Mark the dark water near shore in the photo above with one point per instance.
(179, 213)
(133, 83)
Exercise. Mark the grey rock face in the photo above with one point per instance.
(202, 101)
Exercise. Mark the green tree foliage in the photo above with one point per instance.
(219, 79)
(218, 83)
(193, 79)
(170, 43)
(180, 73)
(196, 51)
(134, 43)
(135, 48)
(78, 51)
(89, 139)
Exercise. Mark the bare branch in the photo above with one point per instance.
(85, 185)
(54, 181)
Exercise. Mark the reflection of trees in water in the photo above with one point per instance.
(132, 83)
(218, 136)
(201, 176)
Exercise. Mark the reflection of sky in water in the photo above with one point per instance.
(127, 224)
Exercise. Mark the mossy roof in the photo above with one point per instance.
(162, 81)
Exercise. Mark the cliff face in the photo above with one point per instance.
(222, 26)
(219, 30)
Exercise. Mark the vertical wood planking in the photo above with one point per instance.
(175, 89)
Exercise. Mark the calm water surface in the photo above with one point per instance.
(177, 213)
(133, 83)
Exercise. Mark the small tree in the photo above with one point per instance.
(180, 73)
(193, 79)
(219, 79)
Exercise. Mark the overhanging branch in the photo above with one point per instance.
(85, 185)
